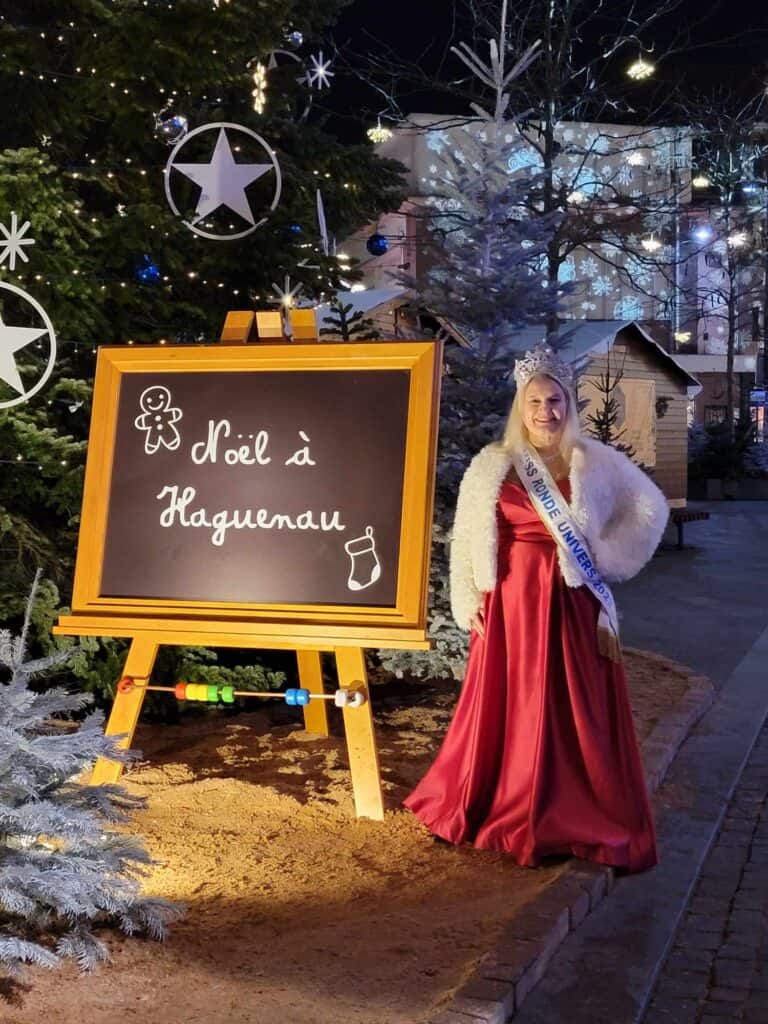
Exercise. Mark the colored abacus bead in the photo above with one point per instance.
(180, 691)
(349, 698)
(196, 691)
(290, 697)
(228, 694)
(302, 697)
(125, 685)
(212, 693)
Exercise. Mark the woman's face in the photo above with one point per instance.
(544, 407)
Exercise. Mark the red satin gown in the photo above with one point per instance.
(541, 755)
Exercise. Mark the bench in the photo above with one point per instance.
(681, 516)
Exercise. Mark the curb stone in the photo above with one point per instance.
(501, 981)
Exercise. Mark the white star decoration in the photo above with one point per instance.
(320, 74)
(223, 181)
(12, 339)
(14, 240)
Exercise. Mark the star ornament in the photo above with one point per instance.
(14, 241)
(14, 340)
(222, 180)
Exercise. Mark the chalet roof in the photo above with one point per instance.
(364, 301)
(585, 337)
(590, 337)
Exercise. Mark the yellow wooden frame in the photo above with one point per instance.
(290, 626)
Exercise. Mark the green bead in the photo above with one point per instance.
(228, 694)
(212, 693)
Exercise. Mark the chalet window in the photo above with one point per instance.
(714, 415)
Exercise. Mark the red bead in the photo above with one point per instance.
(180, 689)
(125, 685)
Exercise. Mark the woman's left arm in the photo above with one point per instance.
(635, 527)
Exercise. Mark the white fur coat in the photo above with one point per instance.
(621, 511)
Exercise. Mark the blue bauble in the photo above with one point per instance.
(377, 245)
(148, 271)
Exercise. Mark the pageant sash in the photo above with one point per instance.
(556, 515)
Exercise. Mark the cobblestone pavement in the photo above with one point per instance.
(717, 969)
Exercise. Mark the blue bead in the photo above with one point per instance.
(290, 697)
(302, 697)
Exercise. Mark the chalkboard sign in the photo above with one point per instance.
(289, 482)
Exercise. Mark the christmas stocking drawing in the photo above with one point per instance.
(365, 567)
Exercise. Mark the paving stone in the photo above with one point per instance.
(451, 1017)
(683, 960)
(480, 1009)
(730, 995)
(705, 923)
(514, 952)
(707, 905)
(741, 948)
(669, 1010)
(745, 920)
(688, 938)
(744, 901)
(719, 888)
(732, 974)
(722, 1011)
(684, 985)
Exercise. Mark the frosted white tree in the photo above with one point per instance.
(487, 278)
(64, 869)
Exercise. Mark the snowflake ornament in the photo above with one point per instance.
(588, 267)
(287, 295)
(319, 74)
(601, 285)
(14, 241)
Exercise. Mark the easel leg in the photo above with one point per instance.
(361, 741)
(127, 707)
(311, 678)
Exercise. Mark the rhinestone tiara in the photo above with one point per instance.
(542, 360)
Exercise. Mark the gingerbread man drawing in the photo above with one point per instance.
(157, 420)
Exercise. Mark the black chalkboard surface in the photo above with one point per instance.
(257, 487)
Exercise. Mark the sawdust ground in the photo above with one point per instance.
(298, 912)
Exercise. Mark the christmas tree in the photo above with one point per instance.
(64, 868)
(97, 95)
(604, 423)
(487, 279)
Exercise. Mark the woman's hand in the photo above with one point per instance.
(478, 622)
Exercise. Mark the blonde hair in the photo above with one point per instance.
(516, 432)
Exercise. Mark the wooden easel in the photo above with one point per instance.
(308, 637)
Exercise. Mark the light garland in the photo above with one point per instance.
(259, 92)
(640, 69)
(379, 133)
(651, 244)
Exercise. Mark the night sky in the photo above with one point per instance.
(722, 43)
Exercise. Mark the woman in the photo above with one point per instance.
(541, 756)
